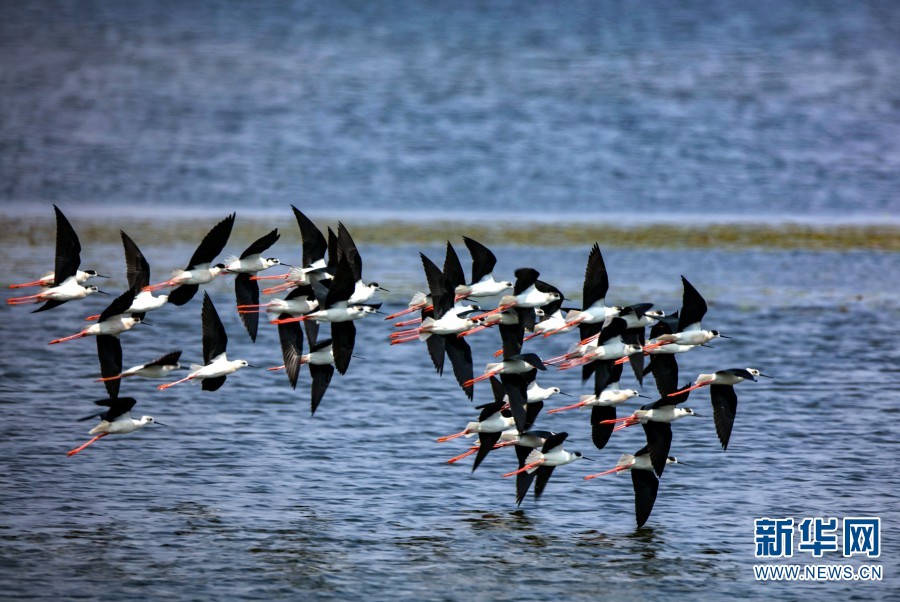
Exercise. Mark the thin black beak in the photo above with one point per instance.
(563, 393)
(644, 396)
(101, 276)
(102, 292)
(249, 365)
(725, 336)
(159, 423)
(583, 457)
(381, 288)
(145, 323)
(685, 463)
(764, 375)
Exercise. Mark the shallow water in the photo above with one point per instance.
(245, 495)
(493, 119)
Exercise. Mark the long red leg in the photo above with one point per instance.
(610, 471)
(82, 446)
(68, 338)
(526, 467)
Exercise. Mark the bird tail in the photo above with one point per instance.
(100, 428)
(425, 328)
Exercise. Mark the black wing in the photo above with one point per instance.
(169, 359)
(343, 335)
(600, 433)
(486, 442)
(532, 410)
(646, 486)
(214, 338)
(212, 244)
(523, 479)
(543, 476)
(136, 267)
(261, 244)
(349, 250)
(212, 384)
(314, 244)
(343, 284)
(483, 260)
(596, 280)
(442, 295)
(436, 345)
(321, 376)
(68, 249)
(180, 295)
(512, 336)
(659, 441)
(554, 440)
(48, 305)
(693, 306)
(664, 368)
(515, 388)
(453, 268)
(612, 327)
(525, 278)
(724, 403)
(109, 351)
(117, 407)
(246, 292)
(460, 355)
(119, 306)
(291, 337)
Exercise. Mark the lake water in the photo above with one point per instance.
(125, 115)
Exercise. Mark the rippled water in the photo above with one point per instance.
(584, 113)
(754, 111)
(245, 495)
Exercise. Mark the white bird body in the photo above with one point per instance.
(612, 349)
(219, 366)
(553, 324)
(496, 423)
(150, 371)
(250, 265)
(122, 425)
(362, 292)
(725, 377)
(555, 457)
(341, 312)
(648, 318)
(320, 357)
(693, 335)
(486, 287)
(69, 290)
(144, 302)
(450, 323)
(536, 393)
(295, 307)
(668, 413)
(199, 274)
(597, 313)
(667, 349)
(508, 367)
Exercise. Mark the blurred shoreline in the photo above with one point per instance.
(36, 227)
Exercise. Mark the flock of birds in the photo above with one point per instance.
(328, 287)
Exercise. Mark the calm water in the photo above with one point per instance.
(602, 111)
(702, 108)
